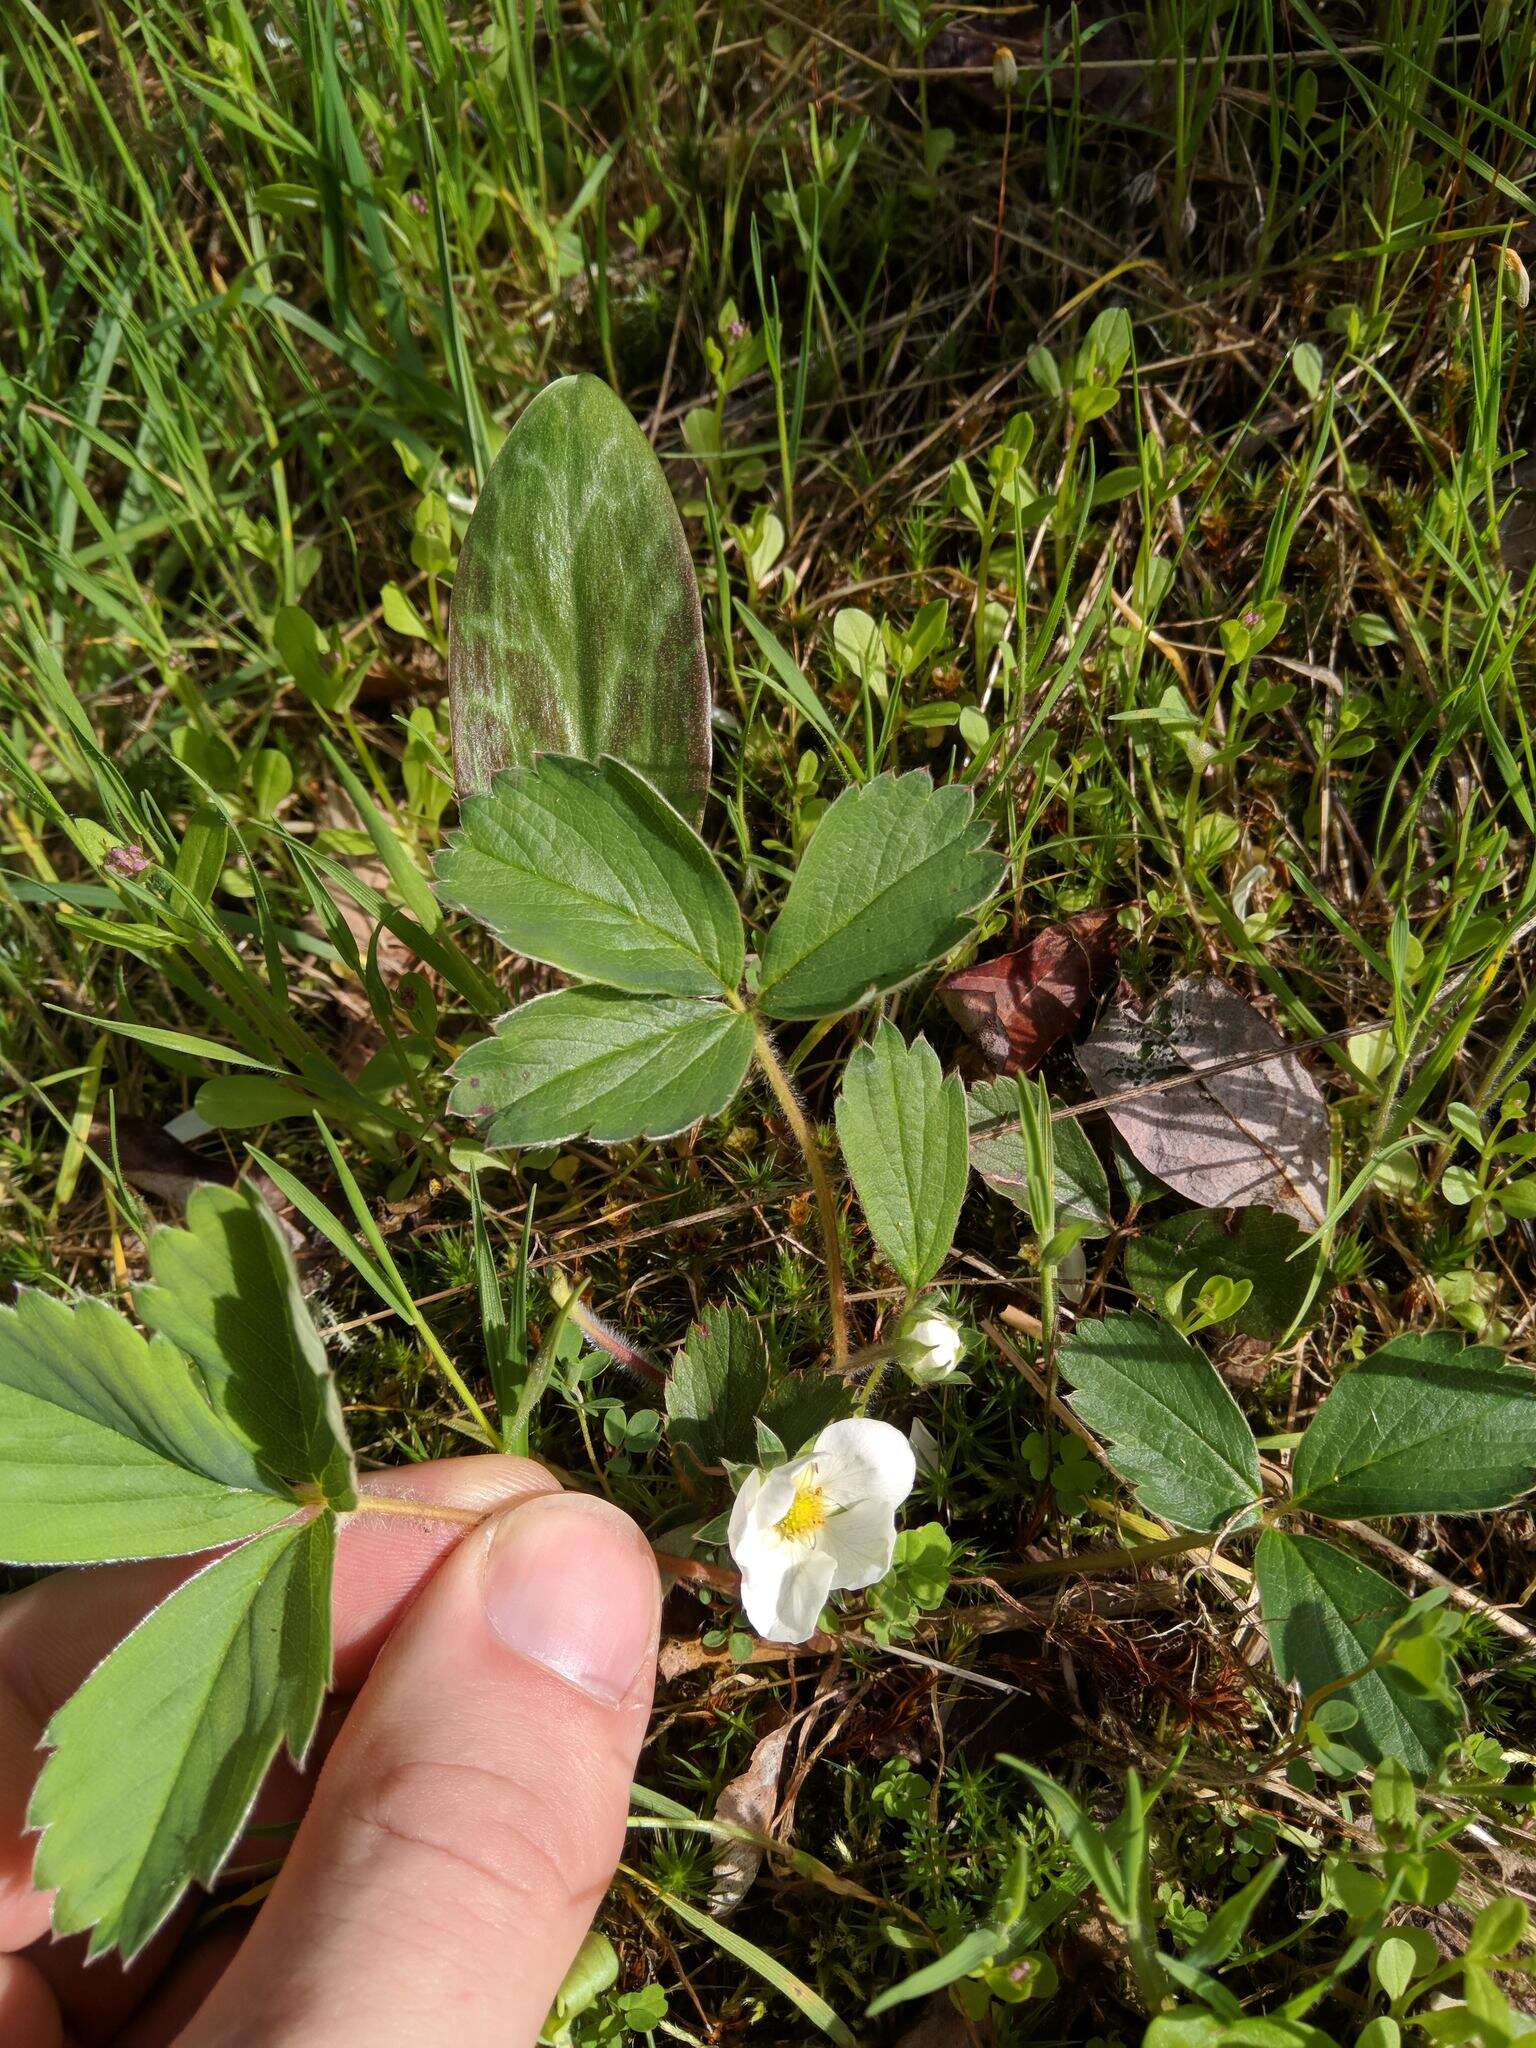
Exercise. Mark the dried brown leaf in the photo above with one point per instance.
(1252, 1137)
(749, 1801)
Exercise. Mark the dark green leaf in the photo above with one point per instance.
(1326, 1615)
(1170, 1425)
(800, 1406)
(109, 1448)
(902, 1127)
(246, 1102)
(887, 885)
(594, 1061)
(716, 1387)
(226, 1291)
(998, 1155)
(1421, 1427)
(158, 1756)
(586, 867)
(1258, 1249)
(575, 626)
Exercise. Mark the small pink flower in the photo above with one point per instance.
(130, 860)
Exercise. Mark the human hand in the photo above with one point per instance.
(457, 1825)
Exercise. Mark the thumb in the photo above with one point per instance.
(469, 1817)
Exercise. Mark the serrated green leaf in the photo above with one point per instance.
(158, 1756)
(716, 1387)
(998, 1154)
(888, 885)
(1258, 1249)
(593, 1061)
(1325, 1615)
(1421, 1427)
(1170, 1426)
(901, 1124)
(109, 1448)
(575, 626)
(226, 1291)
(800, 1406)
(585, 867)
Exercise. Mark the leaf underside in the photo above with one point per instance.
(1421, 1427)
(108, 1445)
(1171, 1427)
(158, 1756)
(1252, 1136)
(902, 1127)
(887, 886)
(585, 867)
(575, 626)
(599, 1063)
(1325, 1614)
(226, 1291)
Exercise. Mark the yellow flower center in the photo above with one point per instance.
(807, 1513)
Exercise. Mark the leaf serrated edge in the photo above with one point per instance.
(38, 1823)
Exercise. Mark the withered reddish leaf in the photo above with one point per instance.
(153, 1160)
(1019, 1005)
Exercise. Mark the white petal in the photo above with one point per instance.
(778, 1494)
(784, 1591)
(861, 1540)
(743, 1509)
(860, 1460)
(925, 1445)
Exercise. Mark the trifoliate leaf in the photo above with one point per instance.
(596, 1062)
(226, 1292)
(1421, 1427)
(109, 1448)
(902, 1129)
(887, 886)
(716, 1386)
(1258, 1248)
(1169, 1424)
(575, 626)
(999, 1156)
(585, 867)
(158, 1756)
(1325, 1615)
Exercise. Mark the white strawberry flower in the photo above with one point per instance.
(929, 1344)
(823, 1523)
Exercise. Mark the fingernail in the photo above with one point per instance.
(570, 1583)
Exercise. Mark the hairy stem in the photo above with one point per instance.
(826, 1205)
(1120, 1558)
